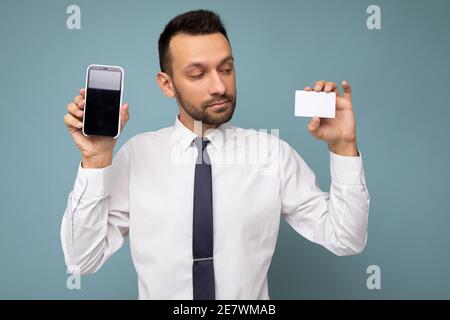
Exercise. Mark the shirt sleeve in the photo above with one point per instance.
(337, 219)
(96, 220)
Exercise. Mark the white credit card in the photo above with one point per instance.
(315, 104)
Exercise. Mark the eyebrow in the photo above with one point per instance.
(199, 64)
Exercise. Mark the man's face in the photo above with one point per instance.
(203, 76)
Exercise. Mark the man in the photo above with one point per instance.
(201, 226)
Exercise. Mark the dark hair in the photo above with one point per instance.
(197, 22)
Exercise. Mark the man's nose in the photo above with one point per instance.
(217, 86)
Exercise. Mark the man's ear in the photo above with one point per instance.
(165, 84)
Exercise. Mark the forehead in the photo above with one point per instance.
(206, 49)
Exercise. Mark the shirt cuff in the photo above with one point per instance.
(91, 182)
(346, 170)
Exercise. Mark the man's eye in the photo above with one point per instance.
(197, 76)
(226, 70)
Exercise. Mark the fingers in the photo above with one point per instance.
(326, 86)
(79, 100)
(74, 117)
(308, 89)
(319, 85)
(74, 110)
(71, 121)
(83, 92)
(330, 86)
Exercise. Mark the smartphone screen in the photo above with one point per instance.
(103, 100)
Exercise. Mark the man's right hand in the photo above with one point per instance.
(96, 151)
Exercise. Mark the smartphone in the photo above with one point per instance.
(103, 99)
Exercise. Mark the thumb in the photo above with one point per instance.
(347, 89)
(313, 125)
(124, 114)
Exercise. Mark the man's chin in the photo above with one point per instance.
(218, 116)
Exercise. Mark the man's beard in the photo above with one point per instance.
(201, 114)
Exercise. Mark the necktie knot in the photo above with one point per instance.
(201, 143)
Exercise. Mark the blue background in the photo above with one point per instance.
(399, 76)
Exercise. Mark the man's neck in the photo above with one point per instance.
(199, 128)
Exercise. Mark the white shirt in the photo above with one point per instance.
(147, 193)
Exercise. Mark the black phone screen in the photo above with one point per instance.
(103, 95)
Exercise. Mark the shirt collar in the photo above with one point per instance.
(185, 136)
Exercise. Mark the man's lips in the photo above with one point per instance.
(219, 104)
